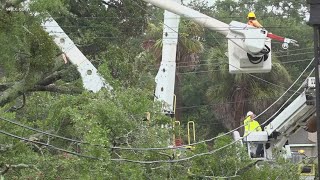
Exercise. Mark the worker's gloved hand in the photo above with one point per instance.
(291, 41)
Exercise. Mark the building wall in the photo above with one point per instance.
(302, 140)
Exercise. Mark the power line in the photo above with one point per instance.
(261, 79)
(286, 102)
(181, 159)
(214, 64)
(291, 87)
(184, 159)
(222, 103)
(200, 154)
(124, 160)
(119, 37)
(229, 132)
(48, 145)
(217, 65)
(297, 54)
(104, 26)
(141, 17)
(158, 148)
(46, 133)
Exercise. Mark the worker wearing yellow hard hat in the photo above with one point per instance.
(252, 20)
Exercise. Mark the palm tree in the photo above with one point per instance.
(188, 48)
(242, 90)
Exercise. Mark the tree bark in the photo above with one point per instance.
(51, 78)
(17, 89)
(10, 91)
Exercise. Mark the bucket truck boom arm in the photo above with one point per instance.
(92, 80)
(249, 48)
(289, 121)
(165, 79)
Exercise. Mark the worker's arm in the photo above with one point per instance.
(258, 127)
(256, 24)
(246, 126)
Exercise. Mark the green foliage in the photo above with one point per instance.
(112, 39)
(233, 162)
(45, 6)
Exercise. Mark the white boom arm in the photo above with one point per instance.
(289, 121)
(91, 79)
(165, 78)
(293, 117)
(249, 48)
(202, 19)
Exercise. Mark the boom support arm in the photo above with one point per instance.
(249, 48)
(92, 80)
(201, 19)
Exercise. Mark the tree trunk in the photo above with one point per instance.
(239, 108)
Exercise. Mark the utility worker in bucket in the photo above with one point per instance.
(252, 20)
(251, 125)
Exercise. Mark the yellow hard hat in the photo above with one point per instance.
(251, 15)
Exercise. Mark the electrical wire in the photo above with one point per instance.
(207, 60)
(48, 145)
(116, 17)
(229, 132)
(291, 87)
(83, 142)
(218, 70)
(114, 159)
(297, 54)
(222, 103)
(285, 102)
(120, 159)
(259, 78)
(48, 134)
(103, 26)
(119, 37)
(182, 159)
(165, 148)
(196, 155)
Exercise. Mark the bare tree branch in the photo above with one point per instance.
(51, 78)
(13, 92)
(5, 86)
(58, 89)
(7, 167)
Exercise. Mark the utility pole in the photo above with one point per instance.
(315, 22)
